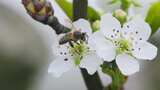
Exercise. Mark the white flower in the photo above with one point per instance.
(105, 6)
(125, 44)
(80, 54)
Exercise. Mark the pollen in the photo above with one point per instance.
(78, 51)
(122, 46)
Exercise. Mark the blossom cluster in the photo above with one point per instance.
(125, 44)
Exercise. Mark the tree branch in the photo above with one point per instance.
(92, 82)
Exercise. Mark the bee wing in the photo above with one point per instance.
(64, 39)
(69, 24)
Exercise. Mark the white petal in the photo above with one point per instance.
(144, 50)
(104, 48)
(138, 29)
(60, 66)
(91, 62)
(83, 25)
(99, 40)
(110, 26)
(127, 64)
(107, 54)
(61, 50)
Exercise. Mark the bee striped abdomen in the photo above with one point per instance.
(73, 36)
(67, 38)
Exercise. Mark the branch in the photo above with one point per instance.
(92, 82)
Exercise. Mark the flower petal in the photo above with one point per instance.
(91, 62)
(144, 50)
(107, 54)
(137, 28)
(61, 50)
(127, 64)
(60, 65)
(104, 48)
(99, 39)
(110, 26)
(83, 25)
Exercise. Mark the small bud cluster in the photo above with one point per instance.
(120, 15)
(42, 11)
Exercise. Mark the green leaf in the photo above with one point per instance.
(125, 4)
(136, 3)
(153, 17)
(113, 2)
(67, 7)
(92, 15)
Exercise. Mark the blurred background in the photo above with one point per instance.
(26, 52)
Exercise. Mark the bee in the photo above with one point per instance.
(73, 37)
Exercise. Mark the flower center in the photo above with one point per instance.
(78, 51)
(122, 46)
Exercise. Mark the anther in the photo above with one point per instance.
(139, 49)
(66, 59)
(114, 30)
(112, 36)
(140, 38)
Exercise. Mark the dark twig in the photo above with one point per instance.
(92, 82)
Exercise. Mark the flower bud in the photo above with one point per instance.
(120, 15)
(39, 10)
(42, 11)
(96, 25)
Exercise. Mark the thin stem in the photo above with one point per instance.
(118, 79)
(57, 26)
(79, 9)
(92, 82)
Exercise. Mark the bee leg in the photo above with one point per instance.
(77, 42)
(71, 44)
(63, 40)
(86, 38)
(81, 41)
(81, 57)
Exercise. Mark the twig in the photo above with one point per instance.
(92, 82)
